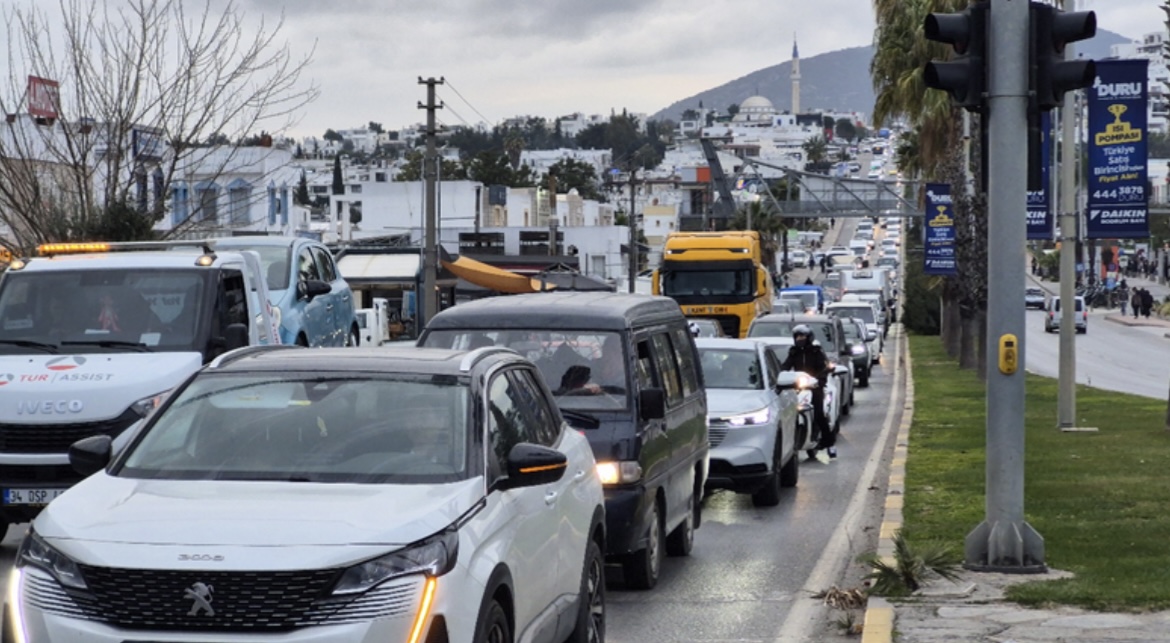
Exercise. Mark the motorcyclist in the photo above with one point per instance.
(808, 356)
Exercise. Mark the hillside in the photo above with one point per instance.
(837, 80)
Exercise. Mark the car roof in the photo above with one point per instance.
(794, 317)
(258, 240)
(553, 310)
(381, 359)
(728, 343)
(135, 260)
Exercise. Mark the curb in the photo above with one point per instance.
(879, 614)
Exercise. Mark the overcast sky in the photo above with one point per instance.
(555, 57)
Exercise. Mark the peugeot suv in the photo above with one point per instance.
(325, 495)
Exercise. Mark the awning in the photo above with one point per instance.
(379, 268)
(497, 279)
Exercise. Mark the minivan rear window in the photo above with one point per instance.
(860, 312)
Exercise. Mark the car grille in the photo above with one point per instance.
(56, 438)
(23, 474)
(242, 601)
(730, 324)
(715, 435)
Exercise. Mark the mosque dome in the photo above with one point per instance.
(757, 103)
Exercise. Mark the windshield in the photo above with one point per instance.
(273, 261)
(864, 313)
(807, 299)
(771, 329)
(358, 428)
(684, 283)
(109, 310)
(586, 370)
(852, 332)
(731, 369)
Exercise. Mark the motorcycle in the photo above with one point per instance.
(805, 384)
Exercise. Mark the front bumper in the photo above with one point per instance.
(741, 457)
(625, 519)
(45, 617)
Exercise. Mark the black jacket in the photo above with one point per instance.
(809, 358)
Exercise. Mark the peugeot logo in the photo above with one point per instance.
(201, 594)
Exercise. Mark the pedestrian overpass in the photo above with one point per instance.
(840, 197)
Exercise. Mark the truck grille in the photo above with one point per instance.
(56, 438)
(242, 601)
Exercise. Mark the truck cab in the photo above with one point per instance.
(92, 338)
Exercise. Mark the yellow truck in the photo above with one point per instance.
(718, 275)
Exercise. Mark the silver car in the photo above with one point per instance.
(751, 419)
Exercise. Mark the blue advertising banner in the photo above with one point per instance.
(1117, 151)
(1039, 204)
(939, 250)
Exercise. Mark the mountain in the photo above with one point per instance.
(837, 80)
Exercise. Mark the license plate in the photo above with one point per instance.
(30, 496)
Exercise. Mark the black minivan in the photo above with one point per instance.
(624, 370)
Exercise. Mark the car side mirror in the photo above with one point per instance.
(235, 336)
(787, 380)
(652, 403)
(531, 465)
(870, 335)
(92, 454)
(312, 288)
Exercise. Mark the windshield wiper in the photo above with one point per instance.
(110, 343)
(583, 419)
(28, 343)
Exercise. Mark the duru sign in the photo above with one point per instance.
(1118, 163)
(49, 407)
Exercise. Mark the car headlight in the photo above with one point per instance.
(35, 552)
(623, 472)
(749, 419)
(433, 556)
(859, 350)
(147, 405)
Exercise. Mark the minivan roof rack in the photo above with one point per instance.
(245, 351)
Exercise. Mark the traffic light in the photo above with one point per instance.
(1051, 75)
(964, 77)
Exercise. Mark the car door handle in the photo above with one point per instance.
(550, 498)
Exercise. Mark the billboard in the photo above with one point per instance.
(1040, 220)
(44, 97)
(1117, 141)
(939, 249)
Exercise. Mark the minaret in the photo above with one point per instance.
(795, 77)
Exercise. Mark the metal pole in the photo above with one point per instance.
(633, 235)
(1003, 541)
(1066, 399)
(429, 297)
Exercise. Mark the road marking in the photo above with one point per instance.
(807, 613)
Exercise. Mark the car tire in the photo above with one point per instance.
(863, 380)
(769, 494)
(493, 626)
(591, 611)
(790, 472)
(644, 566)
(682, 539)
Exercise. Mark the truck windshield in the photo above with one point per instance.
(707, 283)
(117, 310)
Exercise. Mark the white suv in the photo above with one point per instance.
(293, 495)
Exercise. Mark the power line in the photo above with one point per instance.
(457, 115)
(468, 103)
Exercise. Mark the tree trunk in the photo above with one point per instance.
(951, 329)
(969, 341)
(981, 351)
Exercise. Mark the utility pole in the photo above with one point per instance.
(633, 220)
(1004, 541)
(429, 299)
(1066, 399)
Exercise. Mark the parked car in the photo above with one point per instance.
(1052, 315)
(1034, 298)
(312, 303)
(751, 420)
(858, 338)
(624, 370)
(327, 495)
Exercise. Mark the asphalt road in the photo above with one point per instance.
(1110, 356)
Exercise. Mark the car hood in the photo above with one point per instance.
(724, 402)
(106, 509)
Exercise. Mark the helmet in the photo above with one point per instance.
(801, 329)
(694, 328)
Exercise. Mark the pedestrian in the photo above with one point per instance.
(807, 356)
(1147, 303)
(1035, 266)
(808, 281)
(1135, 302)
(824, 263)
(1123, 302)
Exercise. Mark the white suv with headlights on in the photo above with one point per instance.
(411, 495)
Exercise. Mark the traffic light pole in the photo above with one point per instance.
(1004, 542)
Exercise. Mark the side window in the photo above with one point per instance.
(531, 399)
(647, 378)
(233, 300)
(773, 365)
(664, 357)
(325, 265)
(306, 267)
(684, 354)
(509, 423)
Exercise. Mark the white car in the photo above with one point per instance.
(751, 420)
(327, 495)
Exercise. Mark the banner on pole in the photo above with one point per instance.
(1040, 201)
(1118, 199)
(939, 250)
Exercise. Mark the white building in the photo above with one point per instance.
(1152, 47)
(541, 160)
